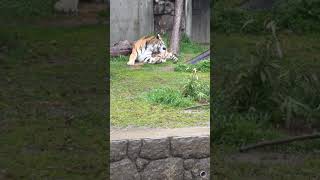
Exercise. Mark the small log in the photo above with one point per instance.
(121, 48)
(281, 141)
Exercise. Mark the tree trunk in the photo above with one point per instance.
(175, 34)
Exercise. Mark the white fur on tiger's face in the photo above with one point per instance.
(145, 50)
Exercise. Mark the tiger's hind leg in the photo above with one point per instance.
(155, 60)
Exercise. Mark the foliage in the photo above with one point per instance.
(238, 20)
(103, 14)
(295, 15)
(23, 8)
(266, 85)
(196, 89)
(237, 129)
(202, 66)
(298, 15)
(168, 96)
(193, 90)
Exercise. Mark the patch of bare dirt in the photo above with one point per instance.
(167, 68)
(136, 66)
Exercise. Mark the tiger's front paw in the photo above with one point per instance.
(130, 63)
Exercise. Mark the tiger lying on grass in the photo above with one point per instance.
(150, 49)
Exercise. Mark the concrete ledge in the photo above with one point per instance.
(150, 133)
(147, 154)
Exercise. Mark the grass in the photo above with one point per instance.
(201, 66)
(52, 102)
(129, 86)
(264, 165)
(168, 96)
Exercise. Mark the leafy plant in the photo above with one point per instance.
(196, 89)
(266, 85)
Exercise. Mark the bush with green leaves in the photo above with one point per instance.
(266, 84)
(298, 15)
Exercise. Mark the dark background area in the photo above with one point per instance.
(53, 98)
(266, 71)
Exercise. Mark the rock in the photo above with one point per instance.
(188, 163)
(123, 170)
(170, 168)
(134, 148)
(165, 23)
(158, 9)
(168, 7)
(190, 147)
(141, 163)
(201, 169)
(154, 148)
(187, 175)
(66, 5)
(118, 150)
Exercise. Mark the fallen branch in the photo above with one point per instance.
(121, 48)
(281, 141)
(193, 107)
(200, 57)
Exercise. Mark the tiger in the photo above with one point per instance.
(150, 49)
(162, 57)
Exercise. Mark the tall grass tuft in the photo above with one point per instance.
(196, 89)
(168, 96)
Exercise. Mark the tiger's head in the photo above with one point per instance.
(161, 45)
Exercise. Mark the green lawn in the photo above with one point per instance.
(52, 102)
(129, 86)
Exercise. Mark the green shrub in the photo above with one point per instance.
(196, 89)
(168, 96)
(298, 15)
(266, 84)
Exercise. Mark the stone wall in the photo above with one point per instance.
(163, 11)
(178, 158)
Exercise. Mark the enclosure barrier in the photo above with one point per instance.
(183, 157)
